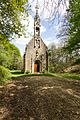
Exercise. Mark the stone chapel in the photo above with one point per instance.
(36, 52)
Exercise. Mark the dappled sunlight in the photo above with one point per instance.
(73, 93)
(3, 112)
(11, 85)
(50, 87)
(21, 87)
(39, 97)
(45, 88)
(70, 91)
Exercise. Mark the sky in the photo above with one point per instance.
(49, 27)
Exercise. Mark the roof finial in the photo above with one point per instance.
(37, 7)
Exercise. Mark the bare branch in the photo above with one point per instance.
(52, 8)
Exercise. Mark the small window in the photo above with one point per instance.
(37, 28)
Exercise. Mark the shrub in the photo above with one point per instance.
(4, 74)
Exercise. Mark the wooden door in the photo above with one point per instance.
(35, 67)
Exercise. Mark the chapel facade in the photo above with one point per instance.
(36, 52)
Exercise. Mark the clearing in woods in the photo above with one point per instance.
(40, 98)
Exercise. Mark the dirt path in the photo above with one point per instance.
(40, 98)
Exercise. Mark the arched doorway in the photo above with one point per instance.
(37, 66)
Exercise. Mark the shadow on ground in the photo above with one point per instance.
(40, 98)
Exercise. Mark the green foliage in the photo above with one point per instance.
(71, 75)
(3, 58)
(74, 31)
(16, 60)
(10, 12)
(4, 74)
(77, 61)
(10, 55)
(58, 60)
(72, 45)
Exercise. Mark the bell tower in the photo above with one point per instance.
(36, 57)
(37, 28)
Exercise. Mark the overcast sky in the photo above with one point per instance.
(49, 28)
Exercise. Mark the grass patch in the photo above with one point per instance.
(41, 74)
(67, 75)
(71, 75)
(17, 73)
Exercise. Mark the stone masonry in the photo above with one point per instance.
(36, 52)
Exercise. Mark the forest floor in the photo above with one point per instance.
(40, 98)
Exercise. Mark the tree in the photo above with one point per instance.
(71, 31)
(72, 44)
(52, 8)
(74, 30)
(57, 59)
(16, 59)
(10, 55)
(10, 24)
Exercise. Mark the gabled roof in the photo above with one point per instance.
(40, 40)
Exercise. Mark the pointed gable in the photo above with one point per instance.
(35, 58)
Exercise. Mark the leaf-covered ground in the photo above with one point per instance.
(40, 98)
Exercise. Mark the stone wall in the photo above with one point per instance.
(32, 54)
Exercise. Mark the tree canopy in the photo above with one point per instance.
(10, 56)
(74, 30)
(10, 23)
